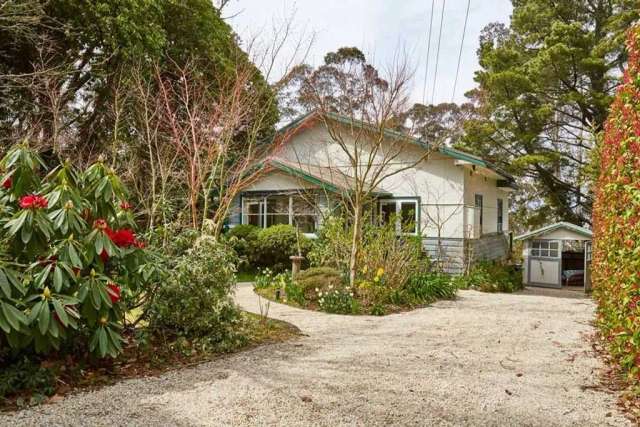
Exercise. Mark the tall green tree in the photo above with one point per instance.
(545, 86)
(438, 124)
(345, 81)
(65, 64)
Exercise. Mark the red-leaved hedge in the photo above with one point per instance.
(616, 215)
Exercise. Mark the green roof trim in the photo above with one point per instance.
(549, 228)
(447, 151)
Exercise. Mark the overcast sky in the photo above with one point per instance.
(380, 28)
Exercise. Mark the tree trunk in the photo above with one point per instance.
(355, 244)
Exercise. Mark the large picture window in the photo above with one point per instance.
(293, 209)
(405, 212)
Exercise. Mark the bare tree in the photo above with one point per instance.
(209, 138)
(368, 153)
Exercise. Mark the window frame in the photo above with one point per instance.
(500, 216)
(263, 202)
(398, 202)
(545, 249)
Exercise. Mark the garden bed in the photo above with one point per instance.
(52, 377)
(325, 289)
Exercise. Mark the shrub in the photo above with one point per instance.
(397, 256)
(174, 239)
(195, 302)
(491, 277)
(339, 301)
(426, 288)
(382, 248)
(263, 279)
(242, 238)
(318, 278)
(292, 290)
(616, 214)
(274, 246)
(68, 255)
(243, 231)
(26, 377)
(332, 247)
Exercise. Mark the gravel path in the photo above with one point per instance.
(484, 359)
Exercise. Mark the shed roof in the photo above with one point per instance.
(585, 232)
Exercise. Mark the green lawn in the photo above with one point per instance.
(246, 276)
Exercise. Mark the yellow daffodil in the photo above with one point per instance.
(380, 272)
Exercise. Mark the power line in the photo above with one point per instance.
(464, 32)
(426, 65)
(435, 75)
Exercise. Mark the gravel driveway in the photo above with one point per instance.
(484, 359)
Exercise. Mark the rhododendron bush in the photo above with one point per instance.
(616, 257)
(68, 255)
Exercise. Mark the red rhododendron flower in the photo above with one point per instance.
(33, 201)
(125, 206)
(104, 256)
(7, 183)
(114, 292)
(140, 245)
(101, 224)
(123, 238)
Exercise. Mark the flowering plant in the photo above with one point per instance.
(68, 255)
(338, 300)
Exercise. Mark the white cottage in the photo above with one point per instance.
(457, 202)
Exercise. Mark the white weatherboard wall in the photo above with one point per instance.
(279, 181)
(437, 181)
(477, 183)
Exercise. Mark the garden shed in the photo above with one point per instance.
(557, 256)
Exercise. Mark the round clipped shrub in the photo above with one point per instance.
(243, 231)
(616, 215)
(320, 278)
(274, 246)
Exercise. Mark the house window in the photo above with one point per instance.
(545, 249)
(280, 209)
(253, 213)
(304, 214)
(277, 210)
(405, 213)
(479, 206)
(500, 215)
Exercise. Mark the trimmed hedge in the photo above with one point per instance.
(274, 246)
(616, 215)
